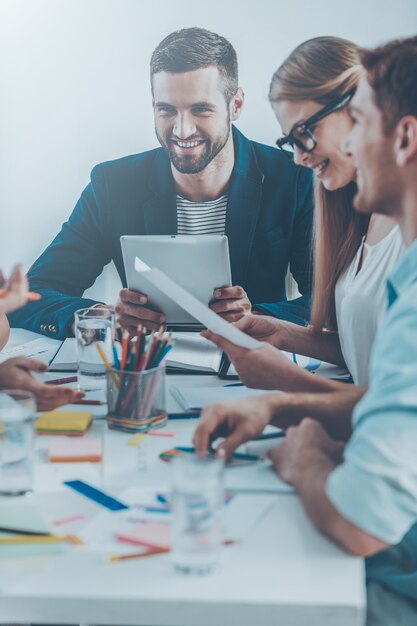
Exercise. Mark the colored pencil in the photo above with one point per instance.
(107, 363)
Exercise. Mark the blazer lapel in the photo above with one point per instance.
(160, 210)
(243, 207)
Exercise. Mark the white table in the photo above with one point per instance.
(284, 574)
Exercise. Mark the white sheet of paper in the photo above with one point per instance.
(199, 311)
(260, 477)
(42, 349)
(243, 512)
(193, 351)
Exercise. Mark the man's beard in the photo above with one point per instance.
(191, 164)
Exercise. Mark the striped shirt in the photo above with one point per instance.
(201, 218)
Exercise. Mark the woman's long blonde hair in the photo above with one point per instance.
(324, 69)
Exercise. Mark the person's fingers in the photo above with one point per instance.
(210, 419)
(33, 365)
(274, 455)
(229, 292)
(233, 317)
(2, 279)
(245, 323)
(220, 342)
(17, 281)
(134, 297)
(49, 398)
(140, 312)
(132, 327)
(225, 306)
(234, 440)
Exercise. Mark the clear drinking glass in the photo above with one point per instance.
(17, 409)
(197, 506)
(94, 333)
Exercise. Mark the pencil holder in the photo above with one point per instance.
(136, 400)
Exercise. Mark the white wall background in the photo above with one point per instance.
(74, 88)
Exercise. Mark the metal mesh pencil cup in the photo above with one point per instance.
(136, 400)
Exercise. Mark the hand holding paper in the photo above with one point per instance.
(194, 307)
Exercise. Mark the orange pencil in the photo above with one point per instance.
(138, 555)
(31, 295)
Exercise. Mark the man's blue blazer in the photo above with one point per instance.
(268, 224)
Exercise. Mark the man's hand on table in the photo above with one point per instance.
(236, 421)
(16, 373)
(302, 447)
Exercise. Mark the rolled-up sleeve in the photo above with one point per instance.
(375, 487)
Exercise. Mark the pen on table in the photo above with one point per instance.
(62, 381)
(235, 385)
(31, 295)
(183, 415)
(90, 402)
(277, 435)
(30, 533)
(236, 455)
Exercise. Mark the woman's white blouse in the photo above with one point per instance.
(361, 301)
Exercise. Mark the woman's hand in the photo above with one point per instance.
(16, 373)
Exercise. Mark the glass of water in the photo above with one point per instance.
(197, 507)
(94, 333)
(17, 409)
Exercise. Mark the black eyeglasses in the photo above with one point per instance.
(302, 136)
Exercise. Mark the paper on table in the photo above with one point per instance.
(243, 512)
(199, 311)
(43, 349)
(193, 352)
(24, 516)
(260, 477)
(191, 398)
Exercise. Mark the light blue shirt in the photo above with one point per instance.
(376, 485)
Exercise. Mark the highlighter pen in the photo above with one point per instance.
(270, 436)
(31, 295)
(184, 415)
(236, 455)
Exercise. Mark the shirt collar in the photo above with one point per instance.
(404, 275)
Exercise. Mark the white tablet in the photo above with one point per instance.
(199, 263)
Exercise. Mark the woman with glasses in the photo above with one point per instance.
(310, 94)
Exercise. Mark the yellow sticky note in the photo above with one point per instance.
(64, 422)
(136, 439)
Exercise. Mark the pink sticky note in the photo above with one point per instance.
(160, 433)
(72, 450)
(149, 534)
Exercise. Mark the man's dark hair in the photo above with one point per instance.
(391, 71)
(194, 48)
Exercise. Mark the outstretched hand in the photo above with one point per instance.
(16, 373)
